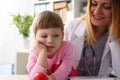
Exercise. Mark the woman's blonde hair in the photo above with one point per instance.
(89, 31)
(115, 26)
(45, 20)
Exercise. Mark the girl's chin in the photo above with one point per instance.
(50, 57)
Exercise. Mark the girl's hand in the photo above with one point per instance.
(51, 77)
(42, 50)
(39, 46)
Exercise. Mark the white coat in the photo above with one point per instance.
(75, 32)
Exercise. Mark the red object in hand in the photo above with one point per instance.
(40, 76)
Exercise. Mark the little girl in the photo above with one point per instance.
(50, 54)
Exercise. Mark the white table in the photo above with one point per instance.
(13, 77)
(25, 77)
(93, 78)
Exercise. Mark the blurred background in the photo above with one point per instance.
(10, 39)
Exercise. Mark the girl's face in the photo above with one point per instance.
(100, 13)
(51, 37)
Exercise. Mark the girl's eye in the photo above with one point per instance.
(45, 36)
(56, 35)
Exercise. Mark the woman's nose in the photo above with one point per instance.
(98, 10)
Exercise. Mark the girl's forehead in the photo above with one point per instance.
(52, 30)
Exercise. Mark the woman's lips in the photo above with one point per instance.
(98, 17)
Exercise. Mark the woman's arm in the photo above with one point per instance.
(115, 53)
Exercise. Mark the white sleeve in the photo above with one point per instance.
(115, 53)
(67, 30)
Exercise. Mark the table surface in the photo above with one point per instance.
(13, 77)
(25, 77)
(93, 78)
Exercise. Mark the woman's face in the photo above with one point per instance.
(100, 13)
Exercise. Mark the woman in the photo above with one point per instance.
(90, 37)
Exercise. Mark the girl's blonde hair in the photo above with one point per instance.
(45, 20)
(115, 26)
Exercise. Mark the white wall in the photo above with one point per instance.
(10, 40)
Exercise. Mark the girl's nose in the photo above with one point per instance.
(50, 40)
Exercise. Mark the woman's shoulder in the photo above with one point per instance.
(74, 23)
(66, 44)
(76, 20)
(79, 20)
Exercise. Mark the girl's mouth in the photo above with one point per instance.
(50, 46)
(45, 45)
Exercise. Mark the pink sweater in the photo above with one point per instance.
(63, 61)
